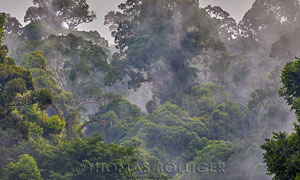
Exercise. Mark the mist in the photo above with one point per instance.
(170, 81)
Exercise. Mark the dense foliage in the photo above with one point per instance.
(34, 106)
(282, 151)
(182, 85)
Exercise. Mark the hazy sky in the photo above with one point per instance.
(17, 8)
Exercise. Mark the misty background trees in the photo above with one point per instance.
(67, 97)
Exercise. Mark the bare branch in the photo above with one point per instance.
(91, 121)
(57, 63)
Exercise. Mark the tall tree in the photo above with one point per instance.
(158, 40)
(228, 26)
(12, 25)
(80, 66)
(57, 12)
(268, 19)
